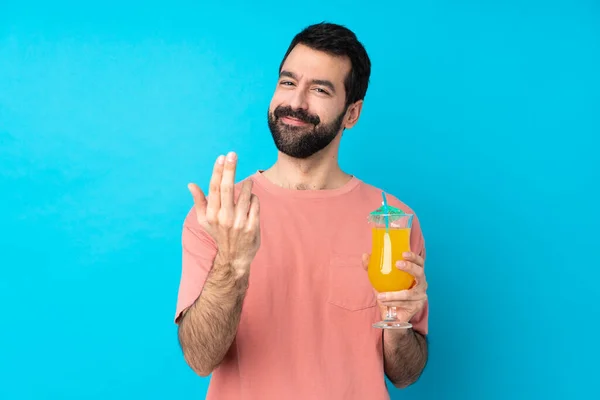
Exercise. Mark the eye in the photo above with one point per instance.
(321, 90)
(286, 83)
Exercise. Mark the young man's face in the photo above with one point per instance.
(308, 108)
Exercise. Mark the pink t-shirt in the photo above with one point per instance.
(306, 325)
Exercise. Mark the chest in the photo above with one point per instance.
(306, 254)
(301, 241)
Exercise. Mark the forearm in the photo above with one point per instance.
(405, 356)
(209, 326)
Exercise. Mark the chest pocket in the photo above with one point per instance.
(349, 286)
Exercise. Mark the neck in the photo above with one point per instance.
(318, 172)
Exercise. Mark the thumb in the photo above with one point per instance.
(199, 198)
(365, 260)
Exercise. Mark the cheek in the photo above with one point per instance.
(325, 117)
(280, 95)
(324, 108)
(275, 102)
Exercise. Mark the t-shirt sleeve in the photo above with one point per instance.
(198, 253)
(420, 321)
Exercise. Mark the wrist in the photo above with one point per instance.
(398, 336)
(237, 273)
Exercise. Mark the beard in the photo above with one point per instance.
(302, 141)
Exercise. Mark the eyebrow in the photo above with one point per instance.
(322, 82)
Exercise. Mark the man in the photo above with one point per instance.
(275, 302)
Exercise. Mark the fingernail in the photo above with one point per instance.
(406, 255)
(381, 296)
(221, 160)
(400, 264)
(231, 156)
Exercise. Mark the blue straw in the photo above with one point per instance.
(385, 208)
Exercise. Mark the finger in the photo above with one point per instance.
(199, 198)
(228, 182)
(406, 307)
(365, 260)
(243, 203)
(253, 222)
(214, 195)
(415, 258)
(416, 271)
(408, 296)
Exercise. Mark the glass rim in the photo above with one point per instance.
(395, 215)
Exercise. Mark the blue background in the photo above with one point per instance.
(108, 109)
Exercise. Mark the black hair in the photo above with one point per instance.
(340, 41)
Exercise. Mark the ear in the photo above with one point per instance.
(352, 114)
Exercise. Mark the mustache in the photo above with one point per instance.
(301, 115)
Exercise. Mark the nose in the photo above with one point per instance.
(298, 100)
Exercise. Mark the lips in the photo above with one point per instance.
(293, 117)
(293, 121)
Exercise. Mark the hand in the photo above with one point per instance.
(234, 226)
(407, 302)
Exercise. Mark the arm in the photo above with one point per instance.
(220, 239)
(405, 351)
(405, 356)
(208, 327)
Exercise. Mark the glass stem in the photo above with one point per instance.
(391, 314)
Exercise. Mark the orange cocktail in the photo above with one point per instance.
(387, 249)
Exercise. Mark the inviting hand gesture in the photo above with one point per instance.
(233, 225)
(407, 302)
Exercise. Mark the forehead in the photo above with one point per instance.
(311, 64)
